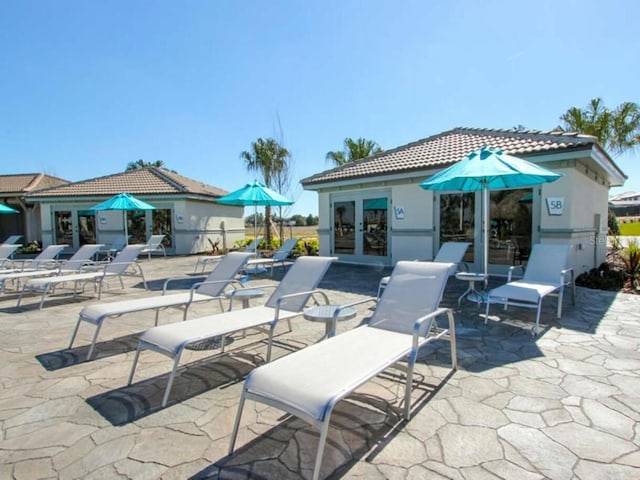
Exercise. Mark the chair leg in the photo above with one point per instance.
(135, 364)
(560, 298)
(75, 332)
(176, 360)
(324, 431)
(537, 327)
(94, 339)
(486, 312)
(236, 424)
(452, 340)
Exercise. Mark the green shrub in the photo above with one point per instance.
(312, 246)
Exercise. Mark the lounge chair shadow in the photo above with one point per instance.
(362, 426)
(133, 402)
(68, 357)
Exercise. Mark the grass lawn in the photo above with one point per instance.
(630, 228)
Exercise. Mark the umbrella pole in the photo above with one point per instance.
(126, 227)
(485, 206)
(255, 222)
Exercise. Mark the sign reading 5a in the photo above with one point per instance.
(555, 205)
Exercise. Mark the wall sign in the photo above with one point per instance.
(555, 205)
(399, 211)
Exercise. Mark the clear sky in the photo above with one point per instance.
(89, 86)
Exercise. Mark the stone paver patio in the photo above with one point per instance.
(564, 405)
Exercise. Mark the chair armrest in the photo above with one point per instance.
(512, 269)
(336, 313)
(563, 274)
(166, 283)
(417, 326)
(463, 267)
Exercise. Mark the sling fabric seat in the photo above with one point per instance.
(287, 301)
(278, 257)
(547, 272)
(12, 239)
(44, 260)
(211, 289)
(119, 267)
(450, 252)
(6, 251)
(154, 245)
(202, 262)
(74, 264)
(310, 382)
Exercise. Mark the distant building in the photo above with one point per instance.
(13, 191)
(625, 204)
(373, 210)
(186, 212)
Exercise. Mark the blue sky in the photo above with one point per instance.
(89, 86)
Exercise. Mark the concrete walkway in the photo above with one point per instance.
(564, 405)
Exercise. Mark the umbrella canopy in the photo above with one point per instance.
(256, 194)
(124, 202)
(486, 169)
(5, 209)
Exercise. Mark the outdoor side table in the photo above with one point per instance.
(471, 293)
(324, 313)
(244, 294)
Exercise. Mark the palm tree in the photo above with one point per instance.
(142, 164)
(353, 150)
(617, 130)
(268, 158)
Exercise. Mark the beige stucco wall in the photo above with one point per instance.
(583, 222)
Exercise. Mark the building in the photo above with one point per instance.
(186, 211)
(373, 210)
(13, 192)
(626, 204)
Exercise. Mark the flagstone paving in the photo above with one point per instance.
(563, 405)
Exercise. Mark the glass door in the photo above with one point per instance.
(63, 223)
(511, 225)
(457, 220)
(374, 226)
(344, 234)
(86, 220)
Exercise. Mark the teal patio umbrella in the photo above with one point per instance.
(124, 202)
(6, 209)
(487, 169)
(256, 194)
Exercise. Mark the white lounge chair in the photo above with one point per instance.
(547, 272)
(203, 261)
(11, 240)
(44, 260)
(450, 252)
(286, 302)
(123, 265)
(6, 252)
(211, 289)
(154, 245)
(310, 382)
(74, 264)
(279, 256)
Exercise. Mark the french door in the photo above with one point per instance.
(360, 227)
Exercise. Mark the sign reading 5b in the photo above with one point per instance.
(555, 205)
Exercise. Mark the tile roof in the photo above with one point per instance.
(19, 184)
(145, 181)
(449, 147)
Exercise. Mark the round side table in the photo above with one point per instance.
(471, 293)
(325, 313)
(244, 294)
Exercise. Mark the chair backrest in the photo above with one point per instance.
(452, 252)
(119, 243)
(226, 269)
(49, 253)
(285, 249)
(126, 257)
(7, 250)
(81, 257)
(546, 262)
(414, 290)
(155, 241)
(12, 240)
(303, 276)
(253, 246)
